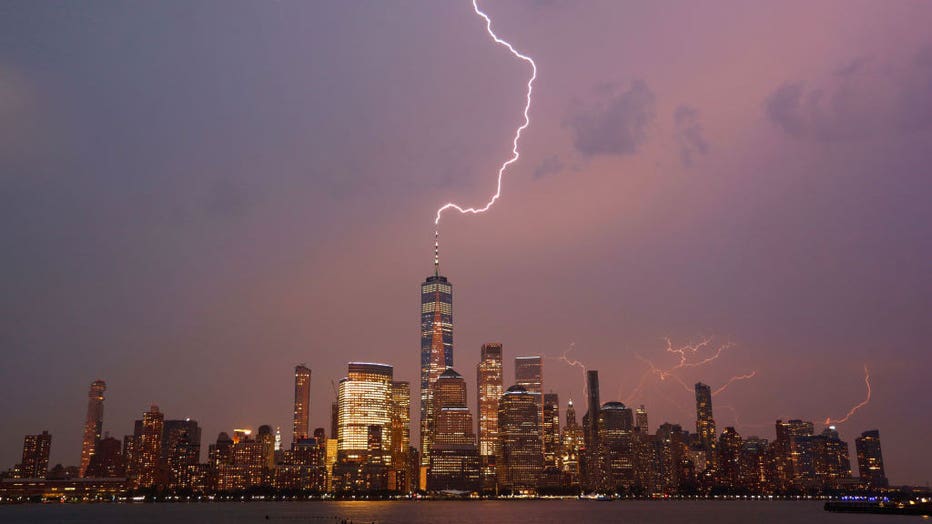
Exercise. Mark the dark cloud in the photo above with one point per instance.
(615, 123)
(689, 134)
(551, 165)
(857, 101)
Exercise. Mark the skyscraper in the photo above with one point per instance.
(454, 459)
(640, 419)
(93, 423)
(400, 415)
(302, 402)
(551, 429)
(489, 392)
(571, 445)
(436, 345)
(35, 462)
(490, 387)
(870, 459)
(148, 454)
(520, 458)
(364, 400)
(591, 467)
(529, 372)
(616, 452)
(705, 424)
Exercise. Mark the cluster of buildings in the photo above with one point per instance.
(517, 443)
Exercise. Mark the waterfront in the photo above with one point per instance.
(448, 512)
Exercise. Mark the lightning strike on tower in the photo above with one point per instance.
(867, 382)
(514, 149)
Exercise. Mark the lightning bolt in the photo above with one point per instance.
(734, 379)
(527, 122)
(867, 381)
(687, 359)
(572, 363)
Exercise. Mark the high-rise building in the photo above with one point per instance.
(490, 388)
(400, 415)
(149, 452)
(365, 396)
(729, 458)
(302, 402)
(705, 423)
(454, 459)
(180, 449)
(35, 462)
(870, 459)
(521, 457)
(591, 466)
(107, 461)
(93, 422)
(755, 466)
(571, 446)
(616, 450)
(436, 345)
(551, 430)
(529, 372)
(640, 419)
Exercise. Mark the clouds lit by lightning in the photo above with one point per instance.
(867, 382)
(527, 122)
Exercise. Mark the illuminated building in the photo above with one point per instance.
(521, 457)
(671, 463)
(93, 422)
(705, 424)
(35, 464)
(729, 458)
(489, 382)
(529, 372)
(551, 430)
(302, 402)
(640, 419)
(571, 447)
(490, 388)
(870, 459)
(400, 477)
(616, 451)
(182, 449)
(436, 346)
(148, 450)
(790, 460)
(756, 466)
(365, 397)
(454, 458)
(107, 461)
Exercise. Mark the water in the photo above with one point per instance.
(445, 512)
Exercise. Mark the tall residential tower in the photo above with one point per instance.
(93, 423)
(302, 400)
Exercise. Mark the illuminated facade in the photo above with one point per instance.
(302, 401)
(364, 398)
(148, 450)
(454, 458)
(640, 420)
(571, 447)
(107, 461)
(870, 459)
(436, 347)
(490, 388)
(521, 457)
(400, 438)
(616, 450)
(93, 422)
(35, 462)
(551, 430)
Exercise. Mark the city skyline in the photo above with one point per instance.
(212, 213)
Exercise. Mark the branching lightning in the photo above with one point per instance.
(572, 363)
(527, 122)
(867, 382)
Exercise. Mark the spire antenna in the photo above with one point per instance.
(436, 252)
